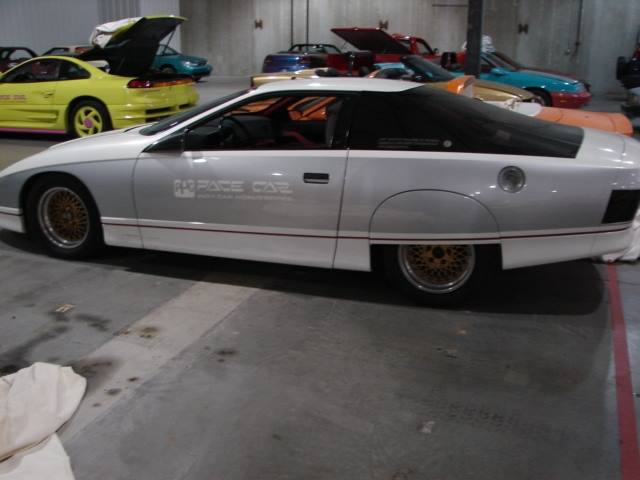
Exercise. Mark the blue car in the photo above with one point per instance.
(169, 61)
(550, 88)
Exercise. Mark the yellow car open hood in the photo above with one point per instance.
(131, 47)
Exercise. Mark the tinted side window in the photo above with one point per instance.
(71, 71)
(427, 119)
(393, 122)
(35, 71)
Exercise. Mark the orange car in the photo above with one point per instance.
(609, 122)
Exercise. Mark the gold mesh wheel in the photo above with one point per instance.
(63, 217)
(437, 268)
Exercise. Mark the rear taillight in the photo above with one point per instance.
(146, 83)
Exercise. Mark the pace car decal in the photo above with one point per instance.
(231, 190)
(13, 98)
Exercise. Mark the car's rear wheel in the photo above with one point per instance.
(541, 97)
(439, 275)
(62, 215)
(88, 117)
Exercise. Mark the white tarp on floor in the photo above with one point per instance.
(34, 403)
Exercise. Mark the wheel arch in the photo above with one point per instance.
(31, 181)
(440, 213)
(543, 92)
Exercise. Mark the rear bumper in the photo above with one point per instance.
(199, 71)
(525, 251)
(283, 68)
(152, 107)
(570, 100)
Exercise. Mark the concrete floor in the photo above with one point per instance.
(205, 368)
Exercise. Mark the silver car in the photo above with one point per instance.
(333, 173)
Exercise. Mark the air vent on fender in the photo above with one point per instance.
(622, 207)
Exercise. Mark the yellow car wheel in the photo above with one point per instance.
(88, 118)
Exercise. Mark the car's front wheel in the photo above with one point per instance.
(62, 215)
(541, 97)
(438, 275)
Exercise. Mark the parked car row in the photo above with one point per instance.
(167, 59)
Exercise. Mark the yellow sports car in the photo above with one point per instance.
(103, 88)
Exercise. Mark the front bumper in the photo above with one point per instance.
(12, 219)
(197, 71)
(570, 100)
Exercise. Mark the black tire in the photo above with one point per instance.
(63, 217)
(468, 268)
(541, 97)
(168, 69)
(94, 112)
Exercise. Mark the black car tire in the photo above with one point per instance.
(62, 216)
(542, 97)
(439, 275)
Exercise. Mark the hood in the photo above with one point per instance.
(549, 74)
(546, 71)
(504, 88)
(106, 146)
(130, 45)
(375, 40)
(608, 122)
(190, 58)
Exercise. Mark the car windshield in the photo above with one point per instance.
(496, 61)
(174, 120)
(166, 50)
(429, 70)
(506, 58)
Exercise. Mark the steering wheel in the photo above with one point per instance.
(242, 128)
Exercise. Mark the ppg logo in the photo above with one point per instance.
(184, 188)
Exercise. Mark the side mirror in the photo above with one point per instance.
(497, 71)
(171, 143)
(205, 137)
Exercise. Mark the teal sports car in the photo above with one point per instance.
(550, 89)
(169, 60)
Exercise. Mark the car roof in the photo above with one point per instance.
(338, 84)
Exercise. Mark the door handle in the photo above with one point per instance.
(315, 178)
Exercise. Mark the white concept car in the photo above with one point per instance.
(332, 172)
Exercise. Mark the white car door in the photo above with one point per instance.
(261, 182)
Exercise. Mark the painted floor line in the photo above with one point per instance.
(627, 431)
(140, 351)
